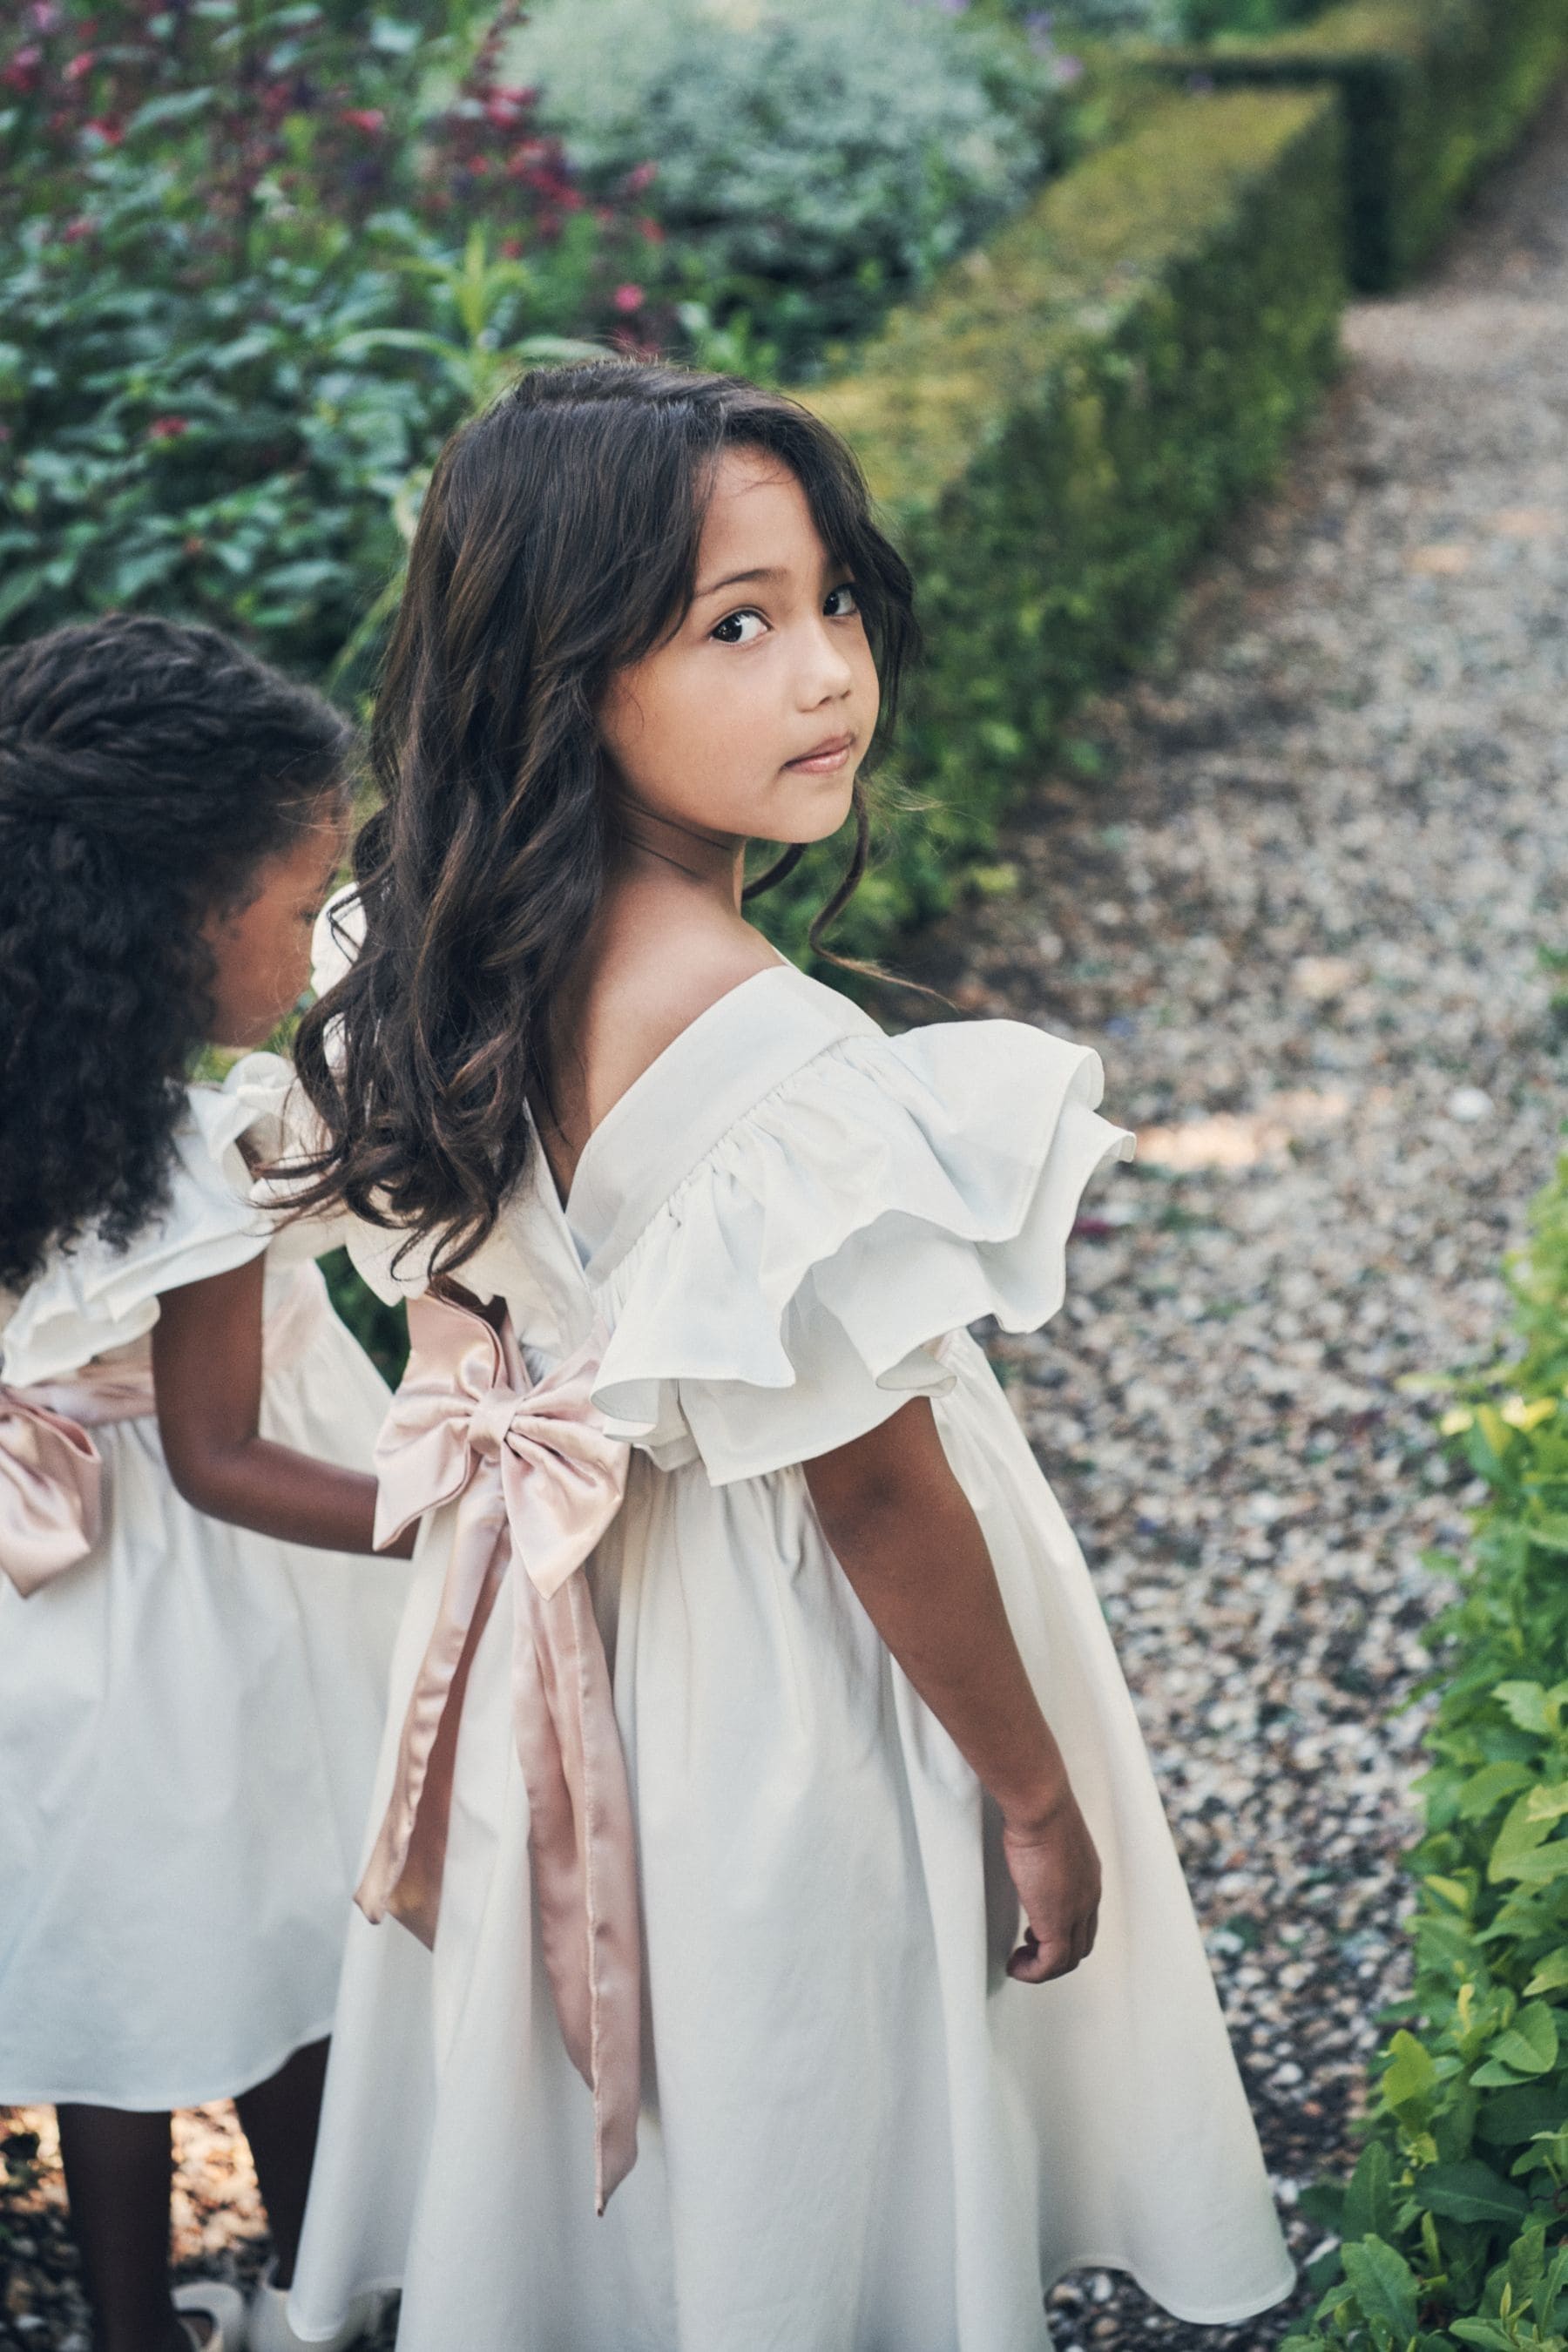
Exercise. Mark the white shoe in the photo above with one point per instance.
(270, 2330)
(224, 2305)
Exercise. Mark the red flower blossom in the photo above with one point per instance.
(82, 63)
(75, 230)
(167, 428)
(628, 298)
(363, 118)
(23, 71)
(651, 230)
(642, 177)
(107, 129)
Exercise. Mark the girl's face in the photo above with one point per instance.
(261, 948)
(750, 722)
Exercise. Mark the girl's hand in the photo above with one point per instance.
(1056, 1870)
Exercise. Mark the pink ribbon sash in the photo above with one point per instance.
(51, 1499)
(51, 1472)
(536, 1481)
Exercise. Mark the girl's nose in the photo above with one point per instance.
(827, 676)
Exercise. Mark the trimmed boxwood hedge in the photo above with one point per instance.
(1057, 431)
(1433, 91)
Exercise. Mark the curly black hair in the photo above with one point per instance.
(147, 771)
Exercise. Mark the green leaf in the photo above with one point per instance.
(1470, 2191)
(1369, 2200)
(1517, 2114)
(1524, 1704)
(1519, 1835)
(1494, 2076)
(1549, 1803)
(1531, 2044)
(1410, 2077)
(1536, 2026)
(1488, 1787)
(1552, 1973)
(1483, 2332)
(1384, 2284)
(1540, 1868)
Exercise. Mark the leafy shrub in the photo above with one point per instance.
(1055, 435)
(809, 159)
(234, 323)
(1456, 2222)
(1433, 91)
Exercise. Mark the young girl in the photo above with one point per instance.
(189, 1711)
(750, 1658)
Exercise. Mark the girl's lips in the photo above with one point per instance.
(825, 758)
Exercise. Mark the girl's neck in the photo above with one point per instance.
(653, 848)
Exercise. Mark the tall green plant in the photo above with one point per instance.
(1455, 2226)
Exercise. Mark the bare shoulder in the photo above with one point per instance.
(648, 990)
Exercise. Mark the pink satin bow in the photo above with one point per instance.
(51, 1502)
(539, 1482)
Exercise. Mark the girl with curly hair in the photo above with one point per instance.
(759, 1754)
(189, 1703)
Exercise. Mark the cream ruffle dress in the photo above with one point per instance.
(189, 1716)
(858, 2134)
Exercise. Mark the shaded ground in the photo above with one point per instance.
(1298, 908)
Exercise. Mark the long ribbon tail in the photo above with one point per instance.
(584, 1856)
(51, 1499)
(403, 1874)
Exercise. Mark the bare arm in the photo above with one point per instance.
(904, 1533)
(207, 1370)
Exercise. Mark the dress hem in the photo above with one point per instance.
(1223, 2316)
(153, 2102)
(392, 2283)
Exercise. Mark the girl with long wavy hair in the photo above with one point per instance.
(762, 1793)
(190, 1700)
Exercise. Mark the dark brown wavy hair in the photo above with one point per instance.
(558, 543)
(147, 772)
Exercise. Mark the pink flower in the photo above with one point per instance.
(109, 131)
(627, 298)
(75, 230)
(642, 177)
(82, 63)
(23, 70)
(651, 230)
(167, 428)
(363, 118)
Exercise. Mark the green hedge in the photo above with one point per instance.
(1454, 2227)
(1057, 431)
(1433, 91)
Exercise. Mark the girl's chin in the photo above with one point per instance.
(813, 809)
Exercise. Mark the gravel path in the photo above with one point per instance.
(1299, 915)
(1295, 896)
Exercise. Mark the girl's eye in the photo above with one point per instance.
(841, 602)
(739, 628)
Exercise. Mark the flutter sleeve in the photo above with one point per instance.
(92, 1297)
(795, 1289)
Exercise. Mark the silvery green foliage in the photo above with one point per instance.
(842, 148)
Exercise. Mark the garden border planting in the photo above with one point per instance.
(1058, 429)
(1452, 2228)
(1434, 91)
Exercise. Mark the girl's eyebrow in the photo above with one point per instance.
(733, 579)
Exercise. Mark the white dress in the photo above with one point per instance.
(858, 2134)
(189, 1716)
